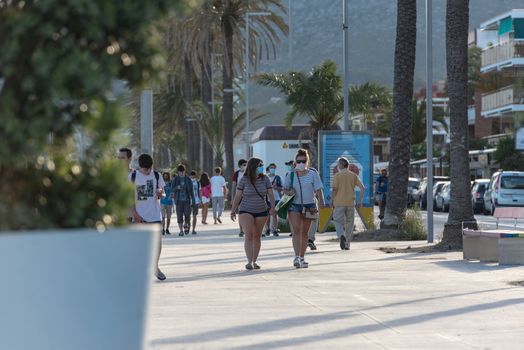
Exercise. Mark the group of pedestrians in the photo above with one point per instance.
(255, 202)
(258, 190)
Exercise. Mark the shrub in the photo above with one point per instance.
(412, 227)
(57, 63)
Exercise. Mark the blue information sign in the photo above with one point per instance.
(356, 146)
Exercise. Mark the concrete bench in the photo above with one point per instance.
(496, 245)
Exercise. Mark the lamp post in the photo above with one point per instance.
(429, 116)
(249, 14)
(345, 28)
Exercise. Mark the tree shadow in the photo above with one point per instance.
(221, 335)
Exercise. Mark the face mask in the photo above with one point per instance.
(300, 166)
(272, 171)
(289, 168)
(339, 168)
(260, 170)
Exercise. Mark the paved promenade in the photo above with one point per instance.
(358, 299)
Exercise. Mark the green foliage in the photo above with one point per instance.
(57, 64)
(317, 94)
(412, 227)
(478, 144)
(507, 156)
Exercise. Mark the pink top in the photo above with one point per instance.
(206, 191)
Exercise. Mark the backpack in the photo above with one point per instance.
(278, 180)
(157, 177)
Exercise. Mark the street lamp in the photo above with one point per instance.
(429, 116)
(249, 14)
(345, 28)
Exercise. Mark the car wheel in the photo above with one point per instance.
(446, 208)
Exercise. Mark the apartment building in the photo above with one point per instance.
(499, 100)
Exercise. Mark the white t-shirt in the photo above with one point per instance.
(217, 185)
(147, 203)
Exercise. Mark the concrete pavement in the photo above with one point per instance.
(357, 299)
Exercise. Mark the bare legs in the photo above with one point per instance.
(252, 231)
(204, 212)
(300, 229)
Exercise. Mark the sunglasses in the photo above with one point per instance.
(301, 161)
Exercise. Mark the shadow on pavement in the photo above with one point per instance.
(293, 322)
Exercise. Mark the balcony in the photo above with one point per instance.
(506, 100)
(508, 54)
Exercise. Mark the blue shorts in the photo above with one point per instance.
(297, 208)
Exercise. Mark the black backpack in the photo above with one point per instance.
(157, 177)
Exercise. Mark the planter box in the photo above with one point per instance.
(511, 251)
(489, 249)
(76, 289)
(470, 247)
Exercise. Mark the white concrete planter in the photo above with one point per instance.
(76, 289)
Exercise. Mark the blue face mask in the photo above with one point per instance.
(289, 168)
(272, 171)
(260, 170)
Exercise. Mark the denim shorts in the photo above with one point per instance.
(297, 208)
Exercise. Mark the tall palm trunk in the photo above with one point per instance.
(207, 151)
(227, 82)
(188, 97)
(460, 209)
(401, 119)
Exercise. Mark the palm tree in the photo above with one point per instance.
(212, 125)
(230, 15)
(405, 49)
(368, 99)
(460, 209)
(317, 95)
(418, 133)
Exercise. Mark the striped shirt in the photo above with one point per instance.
(252, 202)
(310, 183)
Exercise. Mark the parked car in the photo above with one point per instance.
(442, 198)
(413, 186)
(478, 188)
(420, 196)
(437, 189)
(505, 189)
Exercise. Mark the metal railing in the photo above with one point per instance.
(506, 96)
(502, 52)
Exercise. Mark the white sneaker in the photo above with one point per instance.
(296, 262)
(303, 264)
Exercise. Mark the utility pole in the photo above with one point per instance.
(429, 116)
(146, 122)
(345, 28)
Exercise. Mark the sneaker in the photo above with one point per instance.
(268, 232)
(256, 266)
(290, 235)
(186, 229)
(263, 235)
(163, 232)
(160, 275)
(167, 232)
(193, 233)
(249, 266)
(275, 234)
(241, 234)
(215, 221)
(218, 219)
(343, 242)
(296, 262)
(181, 234)
(346, 247)
(311, 245)
(303, 264)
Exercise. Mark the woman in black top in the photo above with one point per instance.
(254, 199)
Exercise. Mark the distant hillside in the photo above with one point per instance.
(317, 26)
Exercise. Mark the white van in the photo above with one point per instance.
(505, 189)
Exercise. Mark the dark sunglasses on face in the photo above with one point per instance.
(301, 161)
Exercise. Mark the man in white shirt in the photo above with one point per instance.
(218, 192)
(149, 188)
